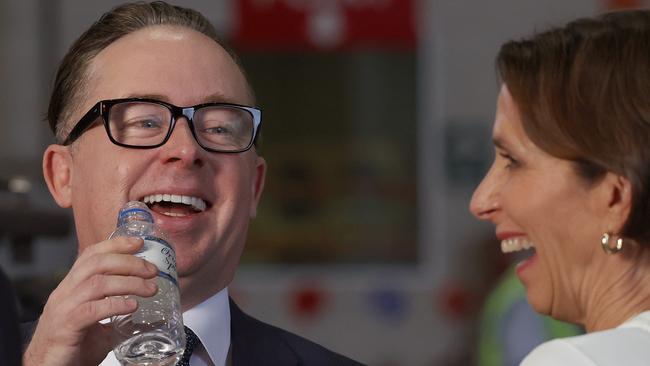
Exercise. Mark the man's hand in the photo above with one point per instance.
(68, 331)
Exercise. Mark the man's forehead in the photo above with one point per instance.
(167, 62)
(212, 98)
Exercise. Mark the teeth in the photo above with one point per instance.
(516, 244)
(196, 203)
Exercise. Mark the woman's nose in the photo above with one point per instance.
(485, 200)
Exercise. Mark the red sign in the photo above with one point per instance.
(325, 24)
(622, 4)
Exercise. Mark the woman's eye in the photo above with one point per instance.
(510, 161)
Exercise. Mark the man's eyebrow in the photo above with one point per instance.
(219, 98)
(162, 98)
(212, 98)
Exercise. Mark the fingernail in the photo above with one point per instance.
(151, 286)
(132, 242)
(151, 267)
(131, 302)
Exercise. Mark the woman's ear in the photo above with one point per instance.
(618, 191)
(57, 171)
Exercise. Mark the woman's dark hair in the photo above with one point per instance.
(583, 92)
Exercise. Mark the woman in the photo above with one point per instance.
(571, 183)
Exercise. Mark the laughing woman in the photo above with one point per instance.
(571, 179)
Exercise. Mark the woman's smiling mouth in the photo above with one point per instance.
(516, 244)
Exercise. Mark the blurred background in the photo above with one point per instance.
(377, 122)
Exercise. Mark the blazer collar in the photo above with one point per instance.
(256, 343)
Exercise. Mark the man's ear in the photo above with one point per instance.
(57, 171)
(618, 195)
(258, 184)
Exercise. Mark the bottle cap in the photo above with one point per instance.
(134, 210)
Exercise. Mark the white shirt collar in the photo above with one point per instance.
(210, 321)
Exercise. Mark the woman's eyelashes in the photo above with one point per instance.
(511, 162)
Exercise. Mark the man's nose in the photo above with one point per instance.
(485, 200)
(182, 147)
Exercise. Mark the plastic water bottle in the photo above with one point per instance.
(154, 333)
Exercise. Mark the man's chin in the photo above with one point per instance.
(184, 272)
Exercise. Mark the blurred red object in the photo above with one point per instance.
(456, 301)
(622, 4)
(308, 301)
(284, 24)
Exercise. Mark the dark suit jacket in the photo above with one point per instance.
(259, 344)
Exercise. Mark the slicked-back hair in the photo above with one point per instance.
(70, 84)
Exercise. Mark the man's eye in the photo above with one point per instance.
(217, 130)
(144, 123)
(147, 124)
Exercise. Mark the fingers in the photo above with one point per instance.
(102, 309)
(112, 264)
(121, 244)
(100, 297)
(109, 257)
(74, 339)
(104, 269)
(93, 290)
(99, 287)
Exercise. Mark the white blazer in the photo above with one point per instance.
(628, 345)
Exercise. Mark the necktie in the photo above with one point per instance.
(191, 341)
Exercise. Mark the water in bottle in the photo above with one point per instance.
(153, 334)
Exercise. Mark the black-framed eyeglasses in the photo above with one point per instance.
(148, 123)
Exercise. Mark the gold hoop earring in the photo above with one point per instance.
(604, 242)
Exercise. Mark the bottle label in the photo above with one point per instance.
(162, 255)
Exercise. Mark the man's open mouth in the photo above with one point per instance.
(175, 205)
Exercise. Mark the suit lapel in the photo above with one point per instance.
(254, 343)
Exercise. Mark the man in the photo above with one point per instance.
(122, 138)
